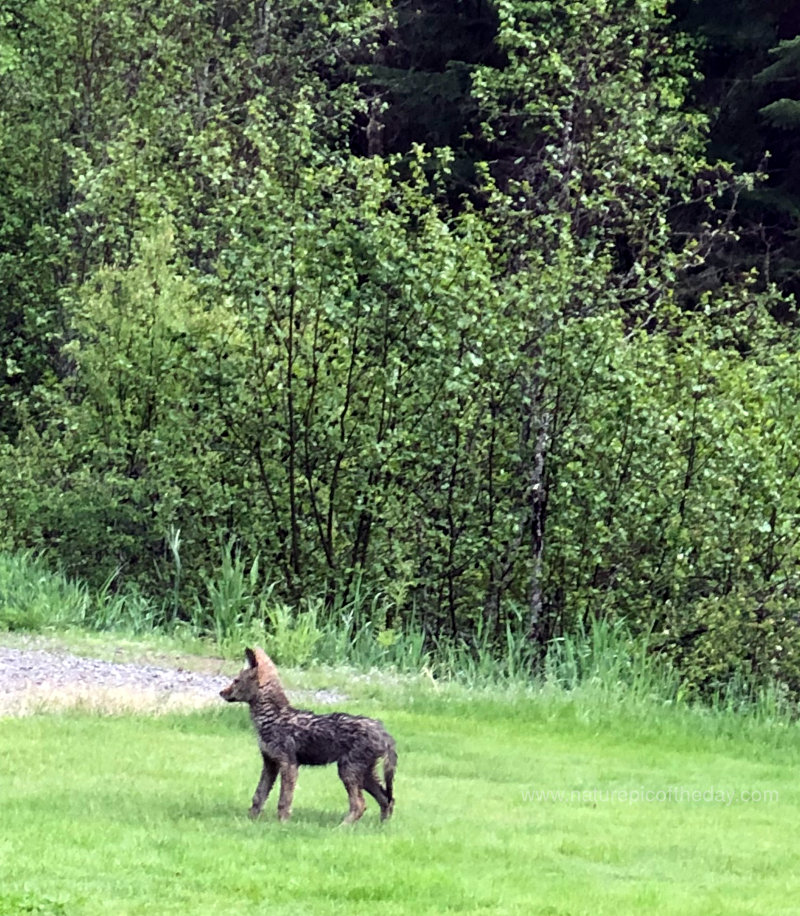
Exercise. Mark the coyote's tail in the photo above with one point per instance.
(389, 766)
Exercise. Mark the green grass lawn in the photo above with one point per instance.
(120, 814)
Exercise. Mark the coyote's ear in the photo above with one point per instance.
(261, 656)
(266, 670)
(268, 674)
(250, 657)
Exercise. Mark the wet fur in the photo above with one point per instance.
(289, 737)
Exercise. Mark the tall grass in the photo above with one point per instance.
(234, 596)
(34, 598)
(605, 659)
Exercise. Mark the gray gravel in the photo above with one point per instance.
(34, 680)
(24, 668)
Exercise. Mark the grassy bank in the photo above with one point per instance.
(237, 610)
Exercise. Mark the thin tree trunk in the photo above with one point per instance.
(537, 629)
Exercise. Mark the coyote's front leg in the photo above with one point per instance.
(265, 784)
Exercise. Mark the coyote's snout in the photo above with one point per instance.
(288, 737)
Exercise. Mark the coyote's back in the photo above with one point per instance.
(289, 737)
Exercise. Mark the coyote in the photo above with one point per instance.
(288, 737)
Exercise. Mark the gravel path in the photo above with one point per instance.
(35, 680)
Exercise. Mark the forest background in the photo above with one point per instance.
(480, 313)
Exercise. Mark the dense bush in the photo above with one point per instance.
(514, 412)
